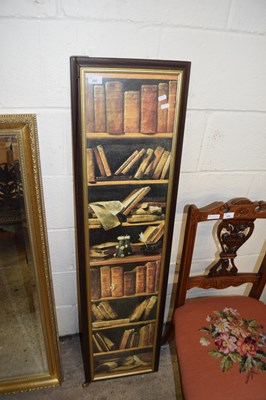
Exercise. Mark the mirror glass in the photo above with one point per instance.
(22, 344)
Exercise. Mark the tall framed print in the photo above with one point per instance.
(128, 122)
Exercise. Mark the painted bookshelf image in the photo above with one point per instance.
(127, 145)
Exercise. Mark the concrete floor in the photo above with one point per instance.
(161, 385)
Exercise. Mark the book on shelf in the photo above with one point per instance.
(153, 164)
(148, 210)
(117, 281)
(133, 161)
(90, 166)
(103, 311)
(148, 108)
(131, 111)
(89, 107)
(99, 161)
(144, 164)
(134, 198)
(96, 312)
(159, 167)
(105, 343)
(166, 167)
(129, 283)
(99, 108)
(163, 105)
(143, 336)
(103, 158)
(109, 323)
(136, 218)
(151, 330)
(126, 338)
(138, 311)
(97, 348)
(147, 204)
(140, 271)
(95, 283)
(152, 234)
(157, 275)
(114, 107)
(103, 251)
(134, 340)
(172, 106)
(150, 277)
(105, 274)
(94, 221)
(149, 307)
(125, 163)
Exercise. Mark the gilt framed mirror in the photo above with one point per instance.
(28, 335)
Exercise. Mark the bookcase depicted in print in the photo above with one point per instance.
(128, 121)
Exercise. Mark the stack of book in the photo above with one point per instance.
(112, 109)
(113, 281)
(141, 164)
(147, 212)
(103, 251)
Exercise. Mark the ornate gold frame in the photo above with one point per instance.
(24, 127)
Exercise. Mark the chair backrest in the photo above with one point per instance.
(237, 224)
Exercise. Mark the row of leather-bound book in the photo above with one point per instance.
(111, 109)
(113, 281)
(131, 338)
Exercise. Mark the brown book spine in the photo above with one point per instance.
(148, 108)
(90, 166)
(157, 276)
(114, 107)
(104, 160)
(129, 283)
(150, 277)
(105, 281)
(142, 168)
(126, 338)
(140, 278)
(133, 161)
(117, 287)
(99, 161)
(158, 170)
(143, 336)
(131, 111)
(95, 285)
(151, 329)
(150, 305)
(157, 156)
(96, 312)
(112, 314)
(144, 218)
(166, 167)
(137, 200)
(172, 105)
(125, 164)
(99, 108)
(139, 310)
(162, 112)
(89, 109)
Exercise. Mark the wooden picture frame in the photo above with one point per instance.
(29, 338)
(128, 121)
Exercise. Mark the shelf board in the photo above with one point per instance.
(130, 182)
(127, 224)
(133, 296)
(127, 260)
(123, 371)
(146, 322)
(104, 135)
(114, 352)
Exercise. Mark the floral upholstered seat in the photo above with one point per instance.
(221, 340)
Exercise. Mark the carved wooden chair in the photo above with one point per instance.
(220, 340)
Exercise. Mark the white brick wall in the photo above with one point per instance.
(224, 143)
